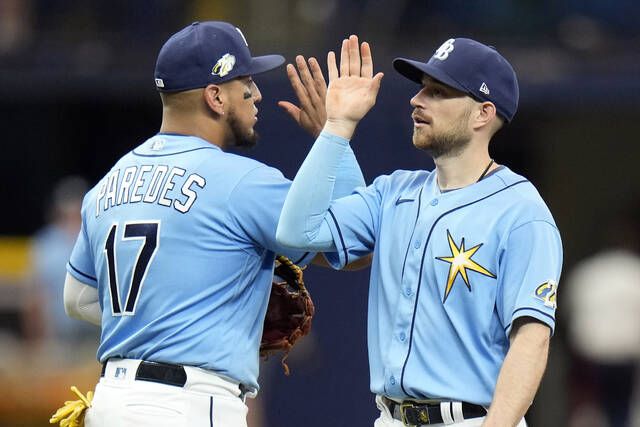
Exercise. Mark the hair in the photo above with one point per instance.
(182, 101)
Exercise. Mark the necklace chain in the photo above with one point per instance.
(485, 171)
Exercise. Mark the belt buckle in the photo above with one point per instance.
(423, 414)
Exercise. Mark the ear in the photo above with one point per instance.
(215, 99)
(485, 114)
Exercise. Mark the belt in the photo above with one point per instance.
(168, 374)
(420, 414)
(163, 373)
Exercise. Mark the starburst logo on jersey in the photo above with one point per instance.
(547, 293)
(224, 65)
(461, 261)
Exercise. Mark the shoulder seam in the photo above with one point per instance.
(532, 221)
(232, 191)
(240, 179)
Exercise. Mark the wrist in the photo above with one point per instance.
(341, 128)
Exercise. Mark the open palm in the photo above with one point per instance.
(352, 88)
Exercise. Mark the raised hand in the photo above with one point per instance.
(352, 88)
(311, 89)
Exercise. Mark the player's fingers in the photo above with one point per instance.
(318, 78)
(290, 109)
(367, 60)
(307, 80)
(377, 80)
(332, 68)
(298, 88)
(354, 56)
(344, 58)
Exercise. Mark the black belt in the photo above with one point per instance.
(166, 373)
(163, 373)
(420, 414)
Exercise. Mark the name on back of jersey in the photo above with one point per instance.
(171, 187)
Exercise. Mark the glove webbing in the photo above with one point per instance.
(293, 267)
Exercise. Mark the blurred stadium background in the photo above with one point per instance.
(77, 91)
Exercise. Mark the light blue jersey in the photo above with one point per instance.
(451, 271)
(179, 239)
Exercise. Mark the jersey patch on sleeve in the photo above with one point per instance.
(547, 292)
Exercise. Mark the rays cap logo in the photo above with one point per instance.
(224, 65)
(471, 67)
(204, 53)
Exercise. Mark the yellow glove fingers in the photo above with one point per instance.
(70, 423)
(72, 413)
(86, 401)
(61, 413)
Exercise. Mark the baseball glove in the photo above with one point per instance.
(289, 312)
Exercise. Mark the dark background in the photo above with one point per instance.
(77, 92)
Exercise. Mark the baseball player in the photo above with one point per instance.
(466, 258)
(176, 252)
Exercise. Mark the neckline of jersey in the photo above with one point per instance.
(193, 138)
(484, 178)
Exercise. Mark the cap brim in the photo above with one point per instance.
(261, 64)
(414, 70)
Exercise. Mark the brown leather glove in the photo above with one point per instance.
(289, 312)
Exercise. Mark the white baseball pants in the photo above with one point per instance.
(206, 400)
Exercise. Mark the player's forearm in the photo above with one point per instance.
(82, 301)
(520, 375)
(348, 175)
(310, 195)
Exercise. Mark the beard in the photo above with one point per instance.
(241, 136)
(448, 142)
(442, 143)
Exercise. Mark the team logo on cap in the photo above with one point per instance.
(547, 293)
(224, 65)
(443, 51)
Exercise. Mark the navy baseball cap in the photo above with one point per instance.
(206, 53)
(470, 67)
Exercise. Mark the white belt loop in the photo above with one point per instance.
(457, 412)
(445, 412)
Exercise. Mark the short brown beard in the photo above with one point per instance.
(448, 144)
(451, 142)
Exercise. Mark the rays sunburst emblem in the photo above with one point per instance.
(461, 261)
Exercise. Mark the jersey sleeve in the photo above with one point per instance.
(354, 221)
(255, 205)
(530, 267)
(81, 263)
